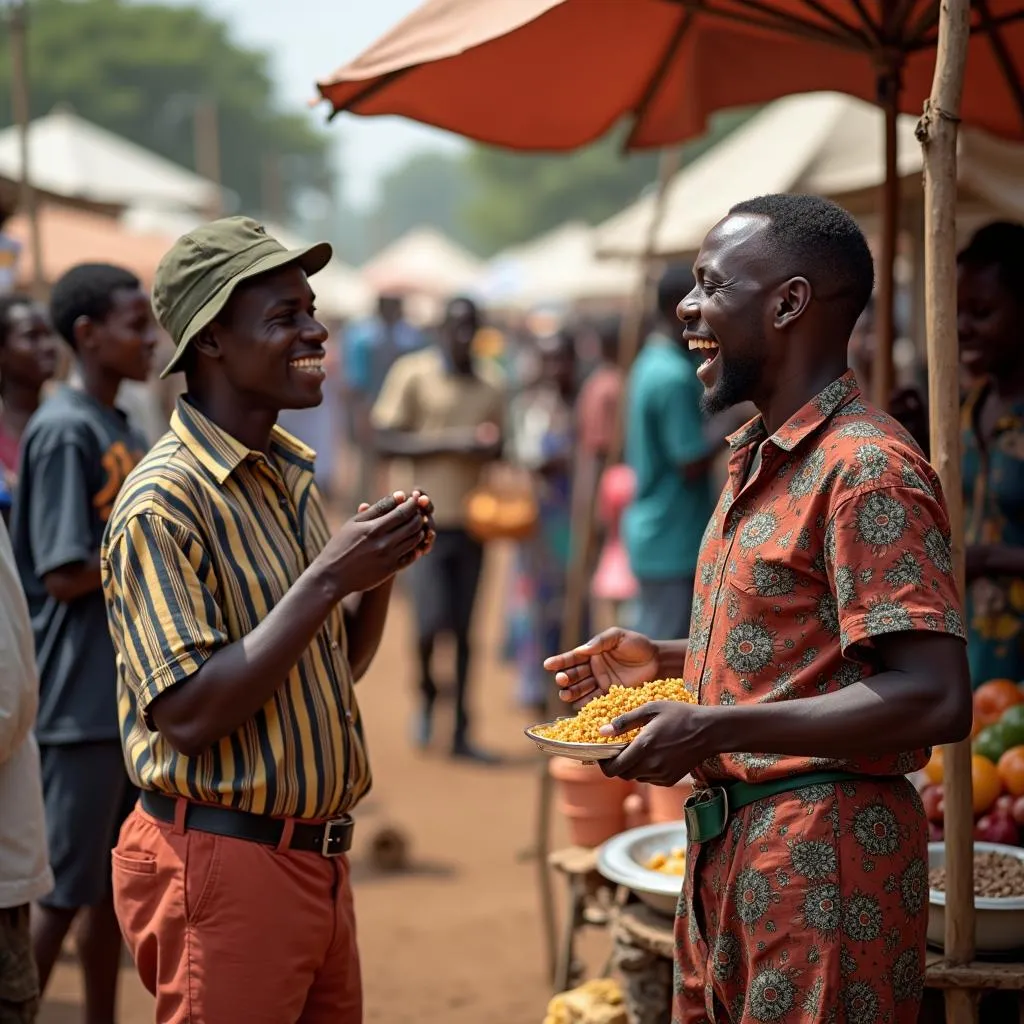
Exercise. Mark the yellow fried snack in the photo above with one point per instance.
(583, 728)
(671, 863)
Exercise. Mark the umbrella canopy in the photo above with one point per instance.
(423, 262)
(535, 74)
(558, 267)
(72, 157)
(825, 143)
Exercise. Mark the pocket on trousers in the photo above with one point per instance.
(134, 863)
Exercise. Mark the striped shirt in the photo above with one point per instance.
(205, 538)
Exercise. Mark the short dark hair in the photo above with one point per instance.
(87, 290)
(466, 303)
(673, 286)
(7, 303)
(820, 241)
(1001, 245)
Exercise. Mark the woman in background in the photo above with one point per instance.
(541, 431)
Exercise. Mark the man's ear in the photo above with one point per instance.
(791, 301)
(84, 331)
(207, 341)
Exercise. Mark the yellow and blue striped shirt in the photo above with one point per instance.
(205, 538)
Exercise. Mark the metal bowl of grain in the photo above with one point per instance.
(624, 860)
(998, 897)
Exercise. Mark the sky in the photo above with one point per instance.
(307, 40)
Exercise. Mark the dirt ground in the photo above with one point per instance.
(456, 939)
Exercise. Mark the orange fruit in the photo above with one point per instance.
(991, 699)
(1011, 770)
(986, 785)
(934, 769)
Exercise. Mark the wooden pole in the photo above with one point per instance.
(885, 327)
(937, 132)
(207, 149)
(21, 109)
(582, 532)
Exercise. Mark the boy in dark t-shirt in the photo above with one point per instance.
(77, 451)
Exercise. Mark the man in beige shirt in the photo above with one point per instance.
(438, 420)
(24, 868)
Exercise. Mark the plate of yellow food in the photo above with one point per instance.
(578, 736)
(650, 861)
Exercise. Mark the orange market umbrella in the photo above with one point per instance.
(556, 74)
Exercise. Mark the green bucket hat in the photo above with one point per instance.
(198, 275)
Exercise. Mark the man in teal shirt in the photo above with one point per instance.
(667, 449)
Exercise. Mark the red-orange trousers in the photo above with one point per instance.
(225, 930)
(810, 909)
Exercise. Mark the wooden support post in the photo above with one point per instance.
(885, 321)
(937, 132)
(21, 109)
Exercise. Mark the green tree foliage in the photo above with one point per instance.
(512, 197)
(137, 69)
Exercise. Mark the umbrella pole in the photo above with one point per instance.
(582, 531)
(937, 131)
(888, 94)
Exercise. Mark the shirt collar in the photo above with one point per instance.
(220, 453)
(817, 411)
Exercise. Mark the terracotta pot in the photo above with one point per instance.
(635, 809)
(592, 803)
(665, 803)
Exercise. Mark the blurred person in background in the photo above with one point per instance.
(667, 449)
(76, 453)
(439, 421)
(597, 408)
(24, 870)
(541, 440)
(371, 348)
(990, 322)
(28, 359)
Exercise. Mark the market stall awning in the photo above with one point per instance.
(824, 143)
(72, 157)
(559, 267)
(423, 262)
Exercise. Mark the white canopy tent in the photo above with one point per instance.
(72, 157)
(824, 143)
(422, 262)
(559, 267)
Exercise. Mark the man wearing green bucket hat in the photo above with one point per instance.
(240, 624)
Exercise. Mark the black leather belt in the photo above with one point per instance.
(329, 838)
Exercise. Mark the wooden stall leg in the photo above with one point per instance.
(1020, 1008)
(577, 891)
(961, 1006)
(646, 981)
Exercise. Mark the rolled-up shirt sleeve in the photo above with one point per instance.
(165, 620)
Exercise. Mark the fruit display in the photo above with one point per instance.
(997, 768)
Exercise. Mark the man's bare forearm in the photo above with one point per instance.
(365, 617)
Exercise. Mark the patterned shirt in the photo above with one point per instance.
(839, 536)
(993, 480)
(206, 537)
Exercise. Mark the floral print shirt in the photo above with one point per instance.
(840, 535)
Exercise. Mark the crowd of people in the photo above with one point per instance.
(180, 741)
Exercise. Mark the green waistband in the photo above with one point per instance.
(741, 794)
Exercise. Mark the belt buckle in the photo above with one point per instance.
(334, 842)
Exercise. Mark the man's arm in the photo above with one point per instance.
(365, 617)
(921, 698)
(59, 496)
(194, 685)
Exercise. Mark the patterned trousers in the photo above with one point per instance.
(810, 909)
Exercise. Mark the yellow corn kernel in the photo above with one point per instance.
(584, 726)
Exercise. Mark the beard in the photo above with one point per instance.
(737, 381)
